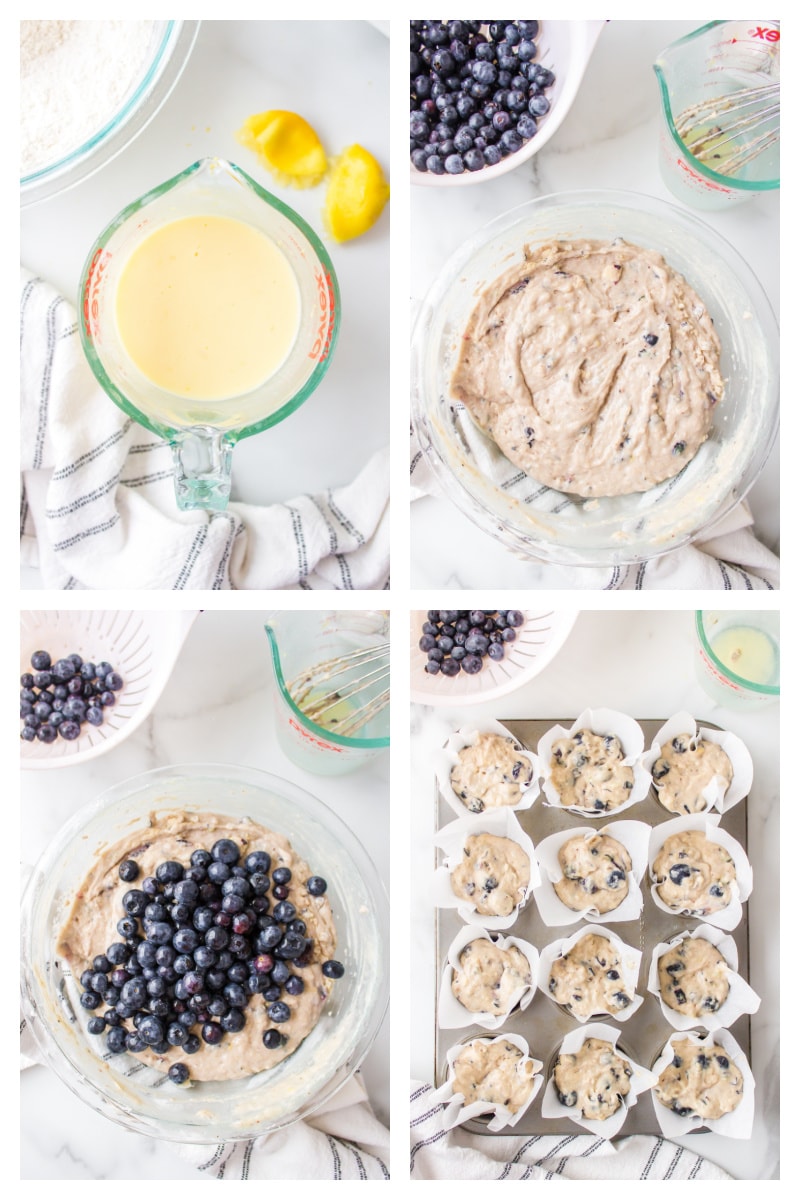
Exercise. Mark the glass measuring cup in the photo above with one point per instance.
(299, 641)
(203, 432)
(717, 60)
(737, 657)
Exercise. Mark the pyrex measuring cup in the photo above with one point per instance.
(301, 640)
(203, 432)
(738, 658)
(715, 61)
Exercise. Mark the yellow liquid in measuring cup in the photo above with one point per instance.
(749, 653)
(207, 307)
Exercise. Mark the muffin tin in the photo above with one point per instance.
(544, 1024)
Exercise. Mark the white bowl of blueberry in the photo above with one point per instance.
(486, 96)
(88, 679)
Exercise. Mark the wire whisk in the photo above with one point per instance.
(727, 132)
(344, 694)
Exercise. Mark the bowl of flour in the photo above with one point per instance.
(87, 89)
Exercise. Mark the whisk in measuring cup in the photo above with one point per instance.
(728, 132)
(344, 694)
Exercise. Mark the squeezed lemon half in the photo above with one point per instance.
(287, 145)
(356, 196)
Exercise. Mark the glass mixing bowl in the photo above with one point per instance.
(170, 47)
(135, 1097)
(538, 522)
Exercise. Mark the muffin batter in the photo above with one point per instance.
(701, 1080)
(488, 976)
(172, 836)
(594, 1080)
(490, 773)
(493, 875)
(593, 365)
(595, 873)
(588, 771)
(693, 977)
(694, 875)
(495, 1074)
(686, 766)
(588, 978)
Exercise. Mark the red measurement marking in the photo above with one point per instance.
(309, 737)
(94, 279)
(765, 33)
(322, 343)
(701, 179)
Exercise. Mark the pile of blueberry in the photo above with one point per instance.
(57, 697)
(459, 639)
(476, 96)
(195, 944)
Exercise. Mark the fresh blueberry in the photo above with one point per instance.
(273, 1040)
(316, 885)
(333, 969)
(279, 1012)
(178, 1072)
(128, 870)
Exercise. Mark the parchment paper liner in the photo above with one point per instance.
(451, 838)
(736, 1124)
(456, 1112)
(714, 792)
(634, 837)
(604, 721)
(630, 960)
(742, 886)
(641, 1081)
(741, 997)
(446, 758)
(451, 1013)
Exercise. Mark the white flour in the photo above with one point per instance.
(74, 77)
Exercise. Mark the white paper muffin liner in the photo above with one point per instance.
(634, 837)
(630, 959)
(715, 793)
(446, 758)
(451, 1013)
(742, 886)
(603, 721)
(451, 839)
(736, 1124)
(641, 1081)
(741, 997)
(456, 1112)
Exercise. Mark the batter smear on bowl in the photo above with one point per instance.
(593, 365)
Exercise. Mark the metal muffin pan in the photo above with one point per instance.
(544, 1024)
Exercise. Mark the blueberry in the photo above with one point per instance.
(273, 1040)
(294, 985)
(332, 969)
(212, 1033)
(128, 870)
(454, 164)
(69, 730)
(279, 1012)
(316, 885)
(40, 660)
(178, 1072)
(90, 1000)
(723, 1061)
(678, 872)
(471, 664)
(169, 872)
(569, 1099)
(116, 1040)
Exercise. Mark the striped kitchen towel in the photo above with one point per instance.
(728, 558)
(437, 1153)
(98, 507)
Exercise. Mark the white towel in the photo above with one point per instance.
(98, 506)
(456, 1154)
(729, 556)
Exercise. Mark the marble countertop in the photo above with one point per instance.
(640, 663)
(238, 68)
(216, 707)
(609, 139)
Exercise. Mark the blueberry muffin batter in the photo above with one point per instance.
(694, 875)
(488, 976)
(493, 874)
(593, 365)
(594, 1080)
(700, 1080)
(588, 771)
(693, 977)
(490, 773)
(686, 766)
(495, 1073)
(595, 873)
(588, 978)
